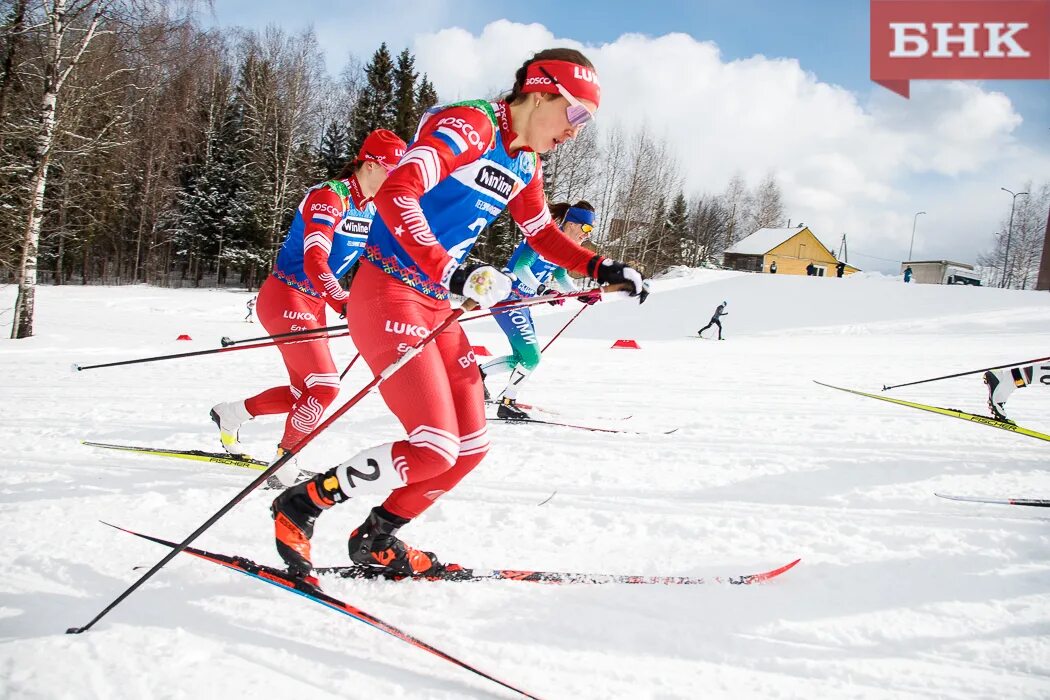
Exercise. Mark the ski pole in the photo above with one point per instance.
(574, 317)
(349, 366)
(226, 342)
(282, 460)
(487, 313)
(501, 306)
(963, 374)
(157, 358)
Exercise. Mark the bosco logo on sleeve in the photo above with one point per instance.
(952, 40)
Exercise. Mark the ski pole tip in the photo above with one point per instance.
(226, 341)
(74, 367)
(74, 630)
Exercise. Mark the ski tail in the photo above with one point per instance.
(950, 412)
(195, 455)
(554, 577)
(282, 579)
(1033, 502)
(590, 428)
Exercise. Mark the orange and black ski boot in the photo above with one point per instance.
(374, 545)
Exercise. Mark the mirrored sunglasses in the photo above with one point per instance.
(577, 114)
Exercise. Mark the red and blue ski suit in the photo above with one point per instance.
(455, 178)
(326, 237)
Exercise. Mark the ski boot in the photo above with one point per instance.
(1000, 385)
(288, 475)
(294, 513)
(229, 417)
(373, 544)
(508, 410)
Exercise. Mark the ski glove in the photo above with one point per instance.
(590, 299)
(614, 272)
(544, 291)
(482, 283)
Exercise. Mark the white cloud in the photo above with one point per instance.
(845, 166)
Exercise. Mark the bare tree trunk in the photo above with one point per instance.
(56, 19)
(24, 304)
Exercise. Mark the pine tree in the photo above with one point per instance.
(405, 96)
(426, 97)
(333, 153)
(677, 229)
(375, 108)
(213, 218)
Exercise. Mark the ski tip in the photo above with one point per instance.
(226, 341)
(759, 578)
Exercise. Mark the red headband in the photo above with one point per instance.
(579, 80)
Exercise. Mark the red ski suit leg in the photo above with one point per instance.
(437, 395)
(313, 378)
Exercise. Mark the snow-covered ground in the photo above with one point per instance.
(899, 594)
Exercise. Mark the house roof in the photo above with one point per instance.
(764, 240)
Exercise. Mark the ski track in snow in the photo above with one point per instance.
(899, 594)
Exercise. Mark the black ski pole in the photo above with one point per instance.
(963, 374)
(284, 459)
(226, 342)
(213, 351)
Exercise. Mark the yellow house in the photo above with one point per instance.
(792, 249)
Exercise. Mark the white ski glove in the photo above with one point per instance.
(482, 283)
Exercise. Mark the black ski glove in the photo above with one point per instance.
(610, 271)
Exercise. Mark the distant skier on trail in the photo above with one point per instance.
(251, 309)
(1002, 383)
(467, 163)
(326, 237)
(535, 277)
(719, 312)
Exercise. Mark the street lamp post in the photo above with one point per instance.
(914, 221)
(1009, 233)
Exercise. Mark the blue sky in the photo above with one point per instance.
(850, 122)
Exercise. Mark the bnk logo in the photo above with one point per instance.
(952, 40)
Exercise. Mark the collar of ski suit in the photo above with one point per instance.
(506, 127)
(356, 195)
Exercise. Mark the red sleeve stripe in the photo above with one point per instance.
(426, 159)
(317, 239)
(412, 215)
(331, 286)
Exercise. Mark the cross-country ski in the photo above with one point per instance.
(494, 326)
(461, 574)
(1033, 502)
